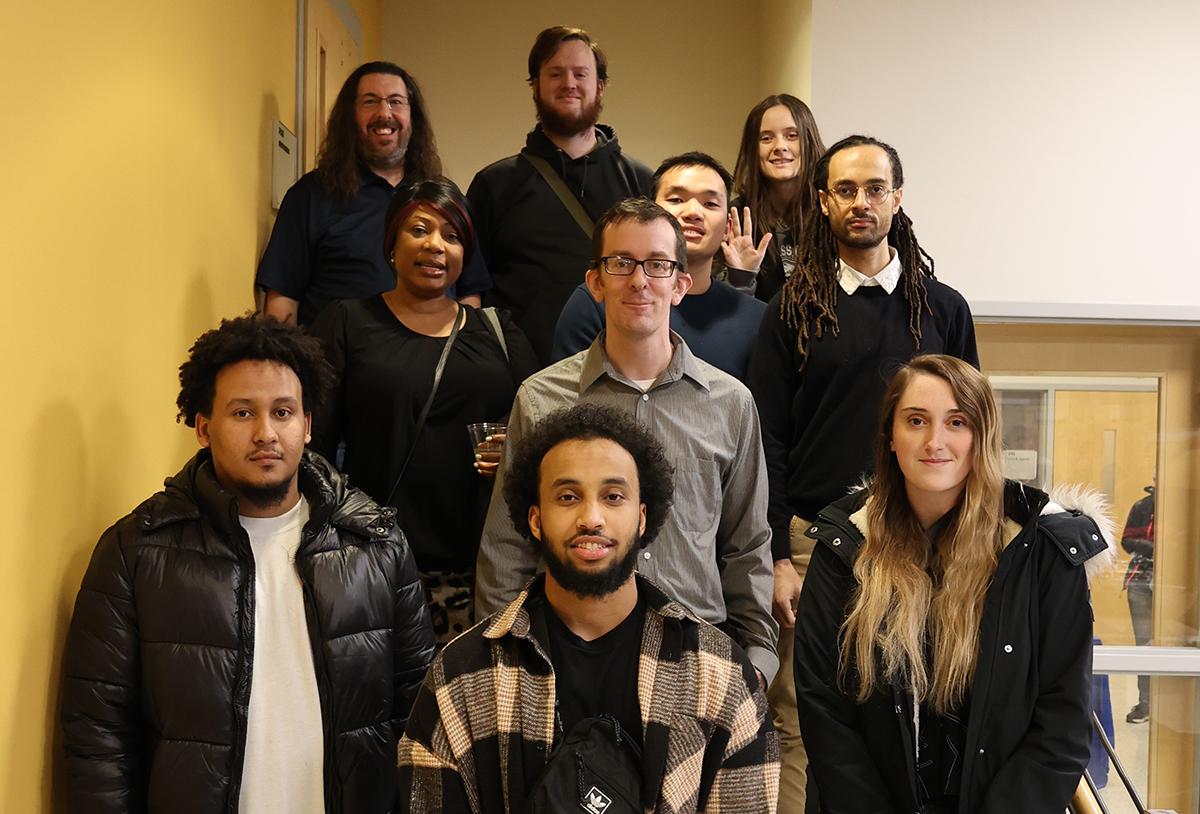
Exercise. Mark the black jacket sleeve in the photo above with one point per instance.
(101, 712)
(960, 337)
(415, 641)
(847, 778)
(1042, 773)
(774, 380)
(479, 198)
(522, 361)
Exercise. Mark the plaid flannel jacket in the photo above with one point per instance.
(483, 724)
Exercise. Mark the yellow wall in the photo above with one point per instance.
(133, 208)
(682, 76)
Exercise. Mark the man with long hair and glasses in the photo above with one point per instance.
(713, 553)
(862, 301)
(325, 244)
(534, 211)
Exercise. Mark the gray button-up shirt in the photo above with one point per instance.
(713, 554)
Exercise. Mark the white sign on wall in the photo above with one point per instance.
(1021, 464)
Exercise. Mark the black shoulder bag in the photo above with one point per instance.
(596, 769)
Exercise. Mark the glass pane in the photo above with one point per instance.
(1115, 408)
(1023, 422)
(1158, 753)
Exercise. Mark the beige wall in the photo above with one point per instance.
(134, 205)
(682, 75)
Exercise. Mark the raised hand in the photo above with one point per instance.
(740, 251)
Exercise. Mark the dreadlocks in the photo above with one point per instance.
(808, 302)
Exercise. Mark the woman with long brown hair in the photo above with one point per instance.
(773, 191)
(943, 642)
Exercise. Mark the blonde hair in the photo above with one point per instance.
(919, 601)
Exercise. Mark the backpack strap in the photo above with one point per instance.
(492, 320)
(559, 188)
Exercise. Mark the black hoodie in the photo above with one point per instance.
(535, 250)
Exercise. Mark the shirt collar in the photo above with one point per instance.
(683, 363)
(851, 279)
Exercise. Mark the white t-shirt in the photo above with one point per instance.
(283, 772)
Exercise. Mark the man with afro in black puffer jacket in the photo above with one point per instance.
(250, 638)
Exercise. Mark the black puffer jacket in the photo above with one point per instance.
(1027, 738)
(158, 662)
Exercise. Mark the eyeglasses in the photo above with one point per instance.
(619, 266)
(848, 193)
(374, 102)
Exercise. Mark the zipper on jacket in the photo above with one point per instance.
(245, 677)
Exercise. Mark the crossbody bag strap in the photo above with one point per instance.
(459, 318)
(493, 321)
(559, 188)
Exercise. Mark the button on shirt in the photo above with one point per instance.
(713, 553)
(851, 279)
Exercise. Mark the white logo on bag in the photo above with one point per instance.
(595, 801)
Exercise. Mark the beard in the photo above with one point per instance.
(384, 158)
(867, 239)
(568, 125)
(595, 584)
(263, 495)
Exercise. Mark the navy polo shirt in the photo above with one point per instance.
(323, 249)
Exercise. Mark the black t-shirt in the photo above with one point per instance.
(323, 249)
(598, 677)
(385, 373)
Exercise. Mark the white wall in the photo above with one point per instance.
(682, 75)
(1050, 148)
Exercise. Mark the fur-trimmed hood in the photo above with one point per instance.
(1080, 499)
(1024, 503)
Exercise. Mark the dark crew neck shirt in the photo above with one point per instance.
(597, 677)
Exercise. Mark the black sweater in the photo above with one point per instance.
(819, 426)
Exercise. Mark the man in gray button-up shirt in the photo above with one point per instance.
(714, 553)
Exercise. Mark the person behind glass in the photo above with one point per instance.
(771, 181)
(944, 638)
(1138, 540)
(386, 351)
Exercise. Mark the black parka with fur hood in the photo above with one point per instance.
(1028, 726)
(159, 654)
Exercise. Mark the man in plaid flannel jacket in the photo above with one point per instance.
(591, 487)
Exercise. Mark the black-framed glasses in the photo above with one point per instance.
(619, 266)
(848, 193)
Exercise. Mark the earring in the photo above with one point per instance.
(392, 257)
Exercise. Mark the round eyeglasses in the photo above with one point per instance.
(847, 194)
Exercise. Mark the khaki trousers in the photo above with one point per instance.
(782, 692)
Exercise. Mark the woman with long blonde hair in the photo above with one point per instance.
(943, 642)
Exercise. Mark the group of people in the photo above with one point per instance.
(657, 582)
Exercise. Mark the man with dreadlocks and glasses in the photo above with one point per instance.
(862, 301)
